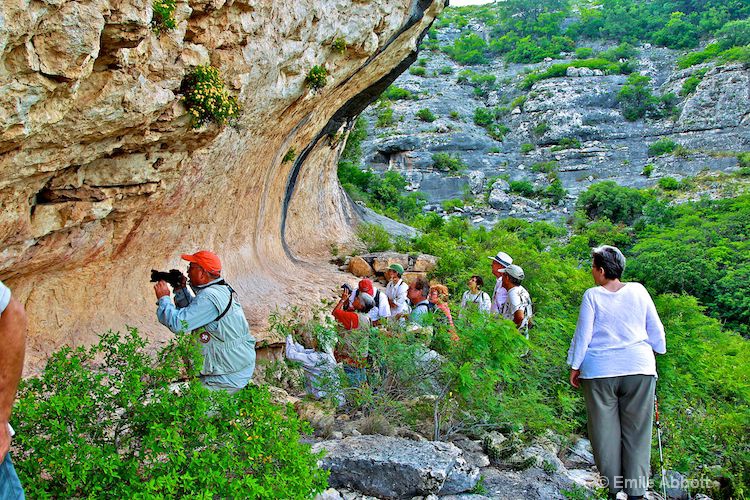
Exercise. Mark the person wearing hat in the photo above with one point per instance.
(499, 262)
(381, 310)
(396, 291)
(215, 316)
(517, 306)
(352, 349)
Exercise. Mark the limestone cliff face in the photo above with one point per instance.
(102, 177)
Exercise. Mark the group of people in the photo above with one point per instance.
(611, 354)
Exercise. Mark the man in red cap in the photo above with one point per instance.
(382, 309)
(215, 316)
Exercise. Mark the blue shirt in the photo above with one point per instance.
(227, 345)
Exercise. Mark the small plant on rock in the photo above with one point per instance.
(206, 98)
(418, 71)
(163, 18)
(662, 146)
(316, 77)
(289, 156)
(426, 115)
(339, 44)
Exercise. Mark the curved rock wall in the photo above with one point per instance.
(103, 179)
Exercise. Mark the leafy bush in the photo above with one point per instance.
(669, 184)
(648, 169)
(560, 70)
(468, 49)
(445, 70)
(394, 93)
(104, 422)
(527, 147)
(290, 155)
(635, 97)
(426, 115)
(710, 52)
(385, 117)
(163, 18)
(206, 99)
(566, 143)
(519, 101)
(497, 131)
(540, 129)
(455, 115)
(316, 77)
(617, 203)
(743, 159)
(450, 205)
(584, 53)
(734, 34)
(339, 44)
(678, 33)
(545, 166)
(374, 237)
(448, 162)
(418, 71)
(689, 85)
(523, 188)
(662, 146)
(483, 117)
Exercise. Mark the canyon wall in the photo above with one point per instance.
(102, 177)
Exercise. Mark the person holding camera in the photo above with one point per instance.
(381, 310)
(216, 318)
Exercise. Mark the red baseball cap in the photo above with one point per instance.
(365, 286)
(209, 261)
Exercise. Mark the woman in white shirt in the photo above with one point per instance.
(612, 359)
(474, 297)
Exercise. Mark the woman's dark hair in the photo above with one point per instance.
(478, 280)
(610, 259)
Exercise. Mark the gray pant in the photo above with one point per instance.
(620, 411)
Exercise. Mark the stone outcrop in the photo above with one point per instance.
(103, 178)
(390, 467)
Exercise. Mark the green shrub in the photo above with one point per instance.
(734, 34)
(540, 129)
(468, 49)
(566, 143)
(560, 70)
(483, 117)
(426, 115)
(662, 146)
(527, 147)
(445, 70)
(710, 52)
(495, 149)
(206, 99)
(422, 61)
(691, 83)
(385, 117)
(450, 205)
(374, 237)
(163, 17)
(519, 101)
(648, 169)
(545, 166)
(290, 155)
(669, 184)
(455, 115)
(524, 188)
(394, 93)
(497, 131)
(635, 97)
(339, 44)
(316, 77)
(743, 159)
(608, 200)
(104, 422)
(418, 71)
(677, 33)
(584, 53)
(448, 162)
(555, 192)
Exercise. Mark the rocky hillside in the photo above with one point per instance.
(569, 127)
(103, 177)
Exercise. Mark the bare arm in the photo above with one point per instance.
(13, 337)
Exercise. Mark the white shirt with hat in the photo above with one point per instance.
(498, 297)
(396, 292)
(518, 299)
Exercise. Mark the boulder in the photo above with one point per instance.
(581, 453)
(398, 144)
(500, 200)
(359, 267)
(395, 467)
(424, 263)
(476, 181)
(410, 276)
(385, 259)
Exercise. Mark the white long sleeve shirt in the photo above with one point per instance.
(498, 297)
(397, 293)
(617, 333)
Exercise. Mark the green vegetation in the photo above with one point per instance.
(426, 115)
(558, 70)
(418, 71)
(450, 205)
(445, 70)
(635, 97)
(290, 155)
(339, 44)
(743, 159)
(618, 204)
(566, 143)
(455, 115)
(104, 422)
(648, 169)
(527, 148)
(468, 49)
(206, 99)
(523, 188)
(584, 53)
(662, 146)
(691, 83)
(385, 117)
(448, 162)
(669, 184)
(540, 129)
(545, 166)
(395, 93)
(163, 18)
(483, 117)
(316, 78)
(374, 237)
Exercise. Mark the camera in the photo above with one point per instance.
(347, 288)
(174, 277)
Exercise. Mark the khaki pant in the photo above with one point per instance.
(620, 412)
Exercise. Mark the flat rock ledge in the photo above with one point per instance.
(391, 467)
